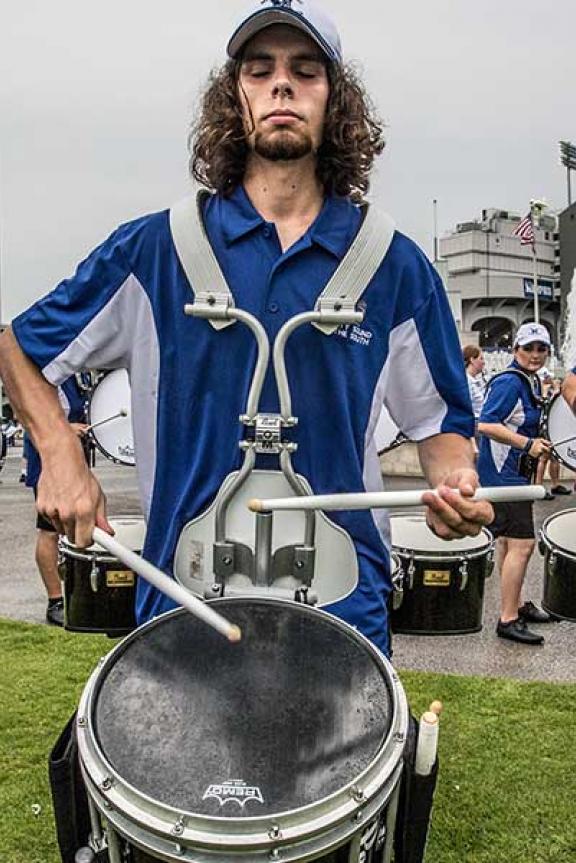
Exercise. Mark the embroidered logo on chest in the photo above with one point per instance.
(355, 333)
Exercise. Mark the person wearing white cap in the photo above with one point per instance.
(510, 447)
(285, 141)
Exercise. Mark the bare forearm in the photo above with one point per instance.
(501, 434)
(444, 454)
(33, 399)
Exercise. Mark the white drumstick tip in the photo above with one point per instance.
(234, 633)
(436, 707)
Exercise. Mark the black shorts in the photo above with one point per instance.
(41, 522)
(513, 520)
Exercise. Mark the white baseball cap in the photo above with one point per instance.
(301, 14)
(532, 332)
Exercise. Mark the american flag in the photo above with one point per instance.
(525, 230)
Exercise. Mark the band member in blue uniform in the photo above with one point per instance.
(509, 449)
(285, 141)
(73, 404)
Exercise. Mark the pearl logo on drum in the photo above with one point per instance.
(235, 791)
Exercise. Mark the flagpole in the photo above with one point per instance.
(534, 215)
(535, 268)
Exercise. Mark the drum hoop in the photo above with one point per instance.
(549, 543)
(442, 556)
(91, 434)
(101, 555)
(127, 799)
(546, 424)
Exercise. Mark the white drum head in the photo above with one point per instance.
(561, 424)
(560, 529)
(412, 532)
(111, 396)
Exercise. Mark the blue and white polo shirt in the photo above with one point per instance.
(124, 308)
(509, 402)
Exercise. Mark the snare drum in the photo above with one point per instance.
(99, 591)
(110, 410)
(558, 545)
(561, 424)
(286, 746)
(443, 581)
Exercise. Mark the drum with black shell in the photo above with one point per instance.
(287, 746)
(442, 582)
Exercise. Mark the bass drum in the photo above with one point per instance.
(99, 591)
(443, 582)
(560, 425)
(558, 545)
(196, 749)
(110, 412)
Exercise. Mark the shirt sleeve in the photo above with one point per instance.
(501, 399)
(82, 322)
(426, 390)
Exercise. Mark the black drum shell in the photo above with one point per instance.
(109, 610)
(559, 597)
(440, 608)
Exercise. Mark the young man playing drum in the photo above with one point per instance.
(285, 142)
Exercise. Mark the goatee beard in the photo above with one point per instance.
(282, 147)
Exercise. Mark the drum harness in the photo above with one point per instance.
(527, 464)
(335, 306)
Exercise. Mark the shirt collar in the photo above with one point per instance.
(333, 228)
(238, 216)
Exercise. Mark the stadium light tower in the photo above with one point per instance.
(568, 159)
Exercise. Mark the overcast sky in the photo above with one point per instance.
(95, 100)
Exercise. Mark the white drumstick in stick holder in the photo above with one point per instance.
(167, 585)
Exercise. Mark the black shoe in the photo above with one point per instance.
(22, 477)
(516, 630)
(560, 489)
(532, 614)
(548, 496)
(55, 613)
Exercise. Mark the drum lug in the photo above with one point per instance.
(178, 828)
(275, 832)
(463, 570)
(489, 568)
(94, 576)
(411, 574)
(552, 560)
(357, 794)
(274, 854)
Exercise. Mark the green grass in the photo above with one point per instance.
(507, 786)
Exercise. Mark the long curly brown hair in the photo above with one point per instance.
(353, 135)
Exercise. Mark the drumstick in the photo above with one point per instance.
(390, 499)
(563, 441)
(121, 413)
(167, 585)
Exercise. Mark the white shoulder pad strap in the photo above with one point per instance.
(197, 257)
(358, 266)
